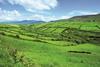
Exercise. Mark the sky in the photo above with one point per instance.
(46, 10)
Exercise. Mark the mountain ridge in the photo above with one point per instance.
(86, 18)
(21, 22)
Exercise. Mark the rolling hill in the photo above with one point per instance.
(82, 18)
(87, 18)
(60, 43)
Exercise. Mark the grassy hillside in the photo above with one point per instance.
(87, 18)
(83, 18)
(55, 44)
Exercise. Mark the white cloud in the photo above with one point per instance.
(9, 15)
(76, 12)
(41, 17)
(31, 5)
(64, 17)
(15, 15)
(46, 18)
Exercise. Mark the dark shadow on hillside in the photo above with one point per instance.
(73, 35)
(82, 52)
(80, 36)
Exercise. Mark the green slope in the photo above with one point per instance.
(86, 18)
(55, 44)
(38, 54)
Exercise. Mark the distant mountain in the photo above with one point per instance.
(21, 22)
(28, 21)
(86, 18)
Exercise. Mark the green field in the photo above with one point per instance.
(55, 44)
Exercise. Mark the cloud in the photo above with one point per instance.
(76, 12)
(48, 18)
(9, 15)
(15, 15)
(41, 17)
(32, 5)
(64, 17)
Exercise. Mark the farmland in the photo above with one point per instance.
(54, 44)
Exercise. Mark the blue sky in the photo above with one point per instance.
(46, 10)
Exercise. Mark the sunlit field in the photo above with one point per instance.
(56, 44)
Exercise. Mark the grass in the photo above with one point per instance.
(48, 45)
